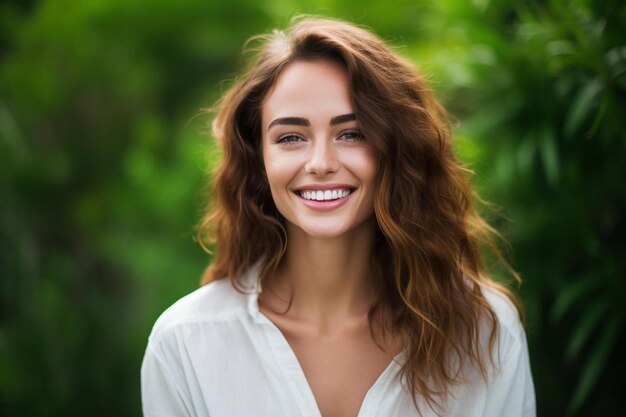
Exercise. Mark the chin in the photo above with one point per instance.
(329, 229)
(323, 232)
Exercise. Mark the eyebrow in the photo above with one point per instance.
(342, 119)
(301, 121)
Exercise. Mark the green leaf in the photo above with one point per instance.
(582, 105)
(568, 296)
(526, 154)
(560, 47)
(589, 321)
(550, 157)
(595, 364)
(616, 60)
(604, 104)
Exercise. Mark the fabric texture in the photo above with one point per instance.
(213, 353)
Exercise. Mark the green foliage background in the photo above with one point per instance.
(104, 153)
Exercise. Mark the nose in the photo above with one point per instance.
(322, 159)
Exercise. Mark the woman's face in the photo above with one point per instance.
(319, 166)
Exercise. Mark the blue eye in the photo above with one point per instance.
(352, 135)
(288, 139)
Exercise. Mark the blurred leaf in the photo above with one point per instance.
(616, 61)
(588, 322)
(526, 153)
(560, 47)
(569, 295)
(597, 120)
(550, 156)
(595, 363)
(581, 107)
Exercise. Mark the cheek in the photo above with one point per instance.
(363, 164)
(280, 169)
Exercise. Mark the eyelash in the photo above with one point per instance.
(292, 138)
(357, 133)
(285, 139)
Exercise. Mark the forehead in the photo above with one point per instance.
(317, 90)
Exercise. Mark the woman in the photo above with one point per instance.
(347, 279)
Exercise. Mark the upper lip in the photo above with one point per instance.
(323, 187)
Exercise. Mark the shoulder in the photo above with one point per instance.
(505, 310)
(511, 335)
(217, 301)
(510, 389)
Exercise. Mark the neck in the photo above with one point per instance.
(330, 278)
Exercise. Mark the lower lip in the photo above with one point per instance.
(324, 205)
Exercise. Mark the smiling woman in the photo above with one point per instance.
(319, 166)
(347, 279)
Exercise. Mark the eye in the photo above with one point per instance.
(289, 139)
(352, 135)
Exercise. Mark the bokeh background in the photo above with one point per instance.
(105, 153)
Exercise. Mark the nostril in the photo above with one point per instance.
(321, 163)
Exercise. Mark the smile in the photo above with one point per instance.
(324, 195)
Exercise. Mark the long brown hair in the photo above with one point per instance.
(429, 233)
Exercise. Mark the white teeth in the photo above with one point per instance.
(324, 195)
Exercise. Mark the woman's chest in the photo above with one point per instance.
(339, 369)
(259, 372)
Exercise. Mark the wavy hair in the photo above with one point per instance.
(429, 235)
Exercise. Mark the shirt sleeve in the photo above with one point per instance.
(160, 394)
(511, 392)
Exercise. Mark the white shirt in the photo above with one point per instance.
(213, 353)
